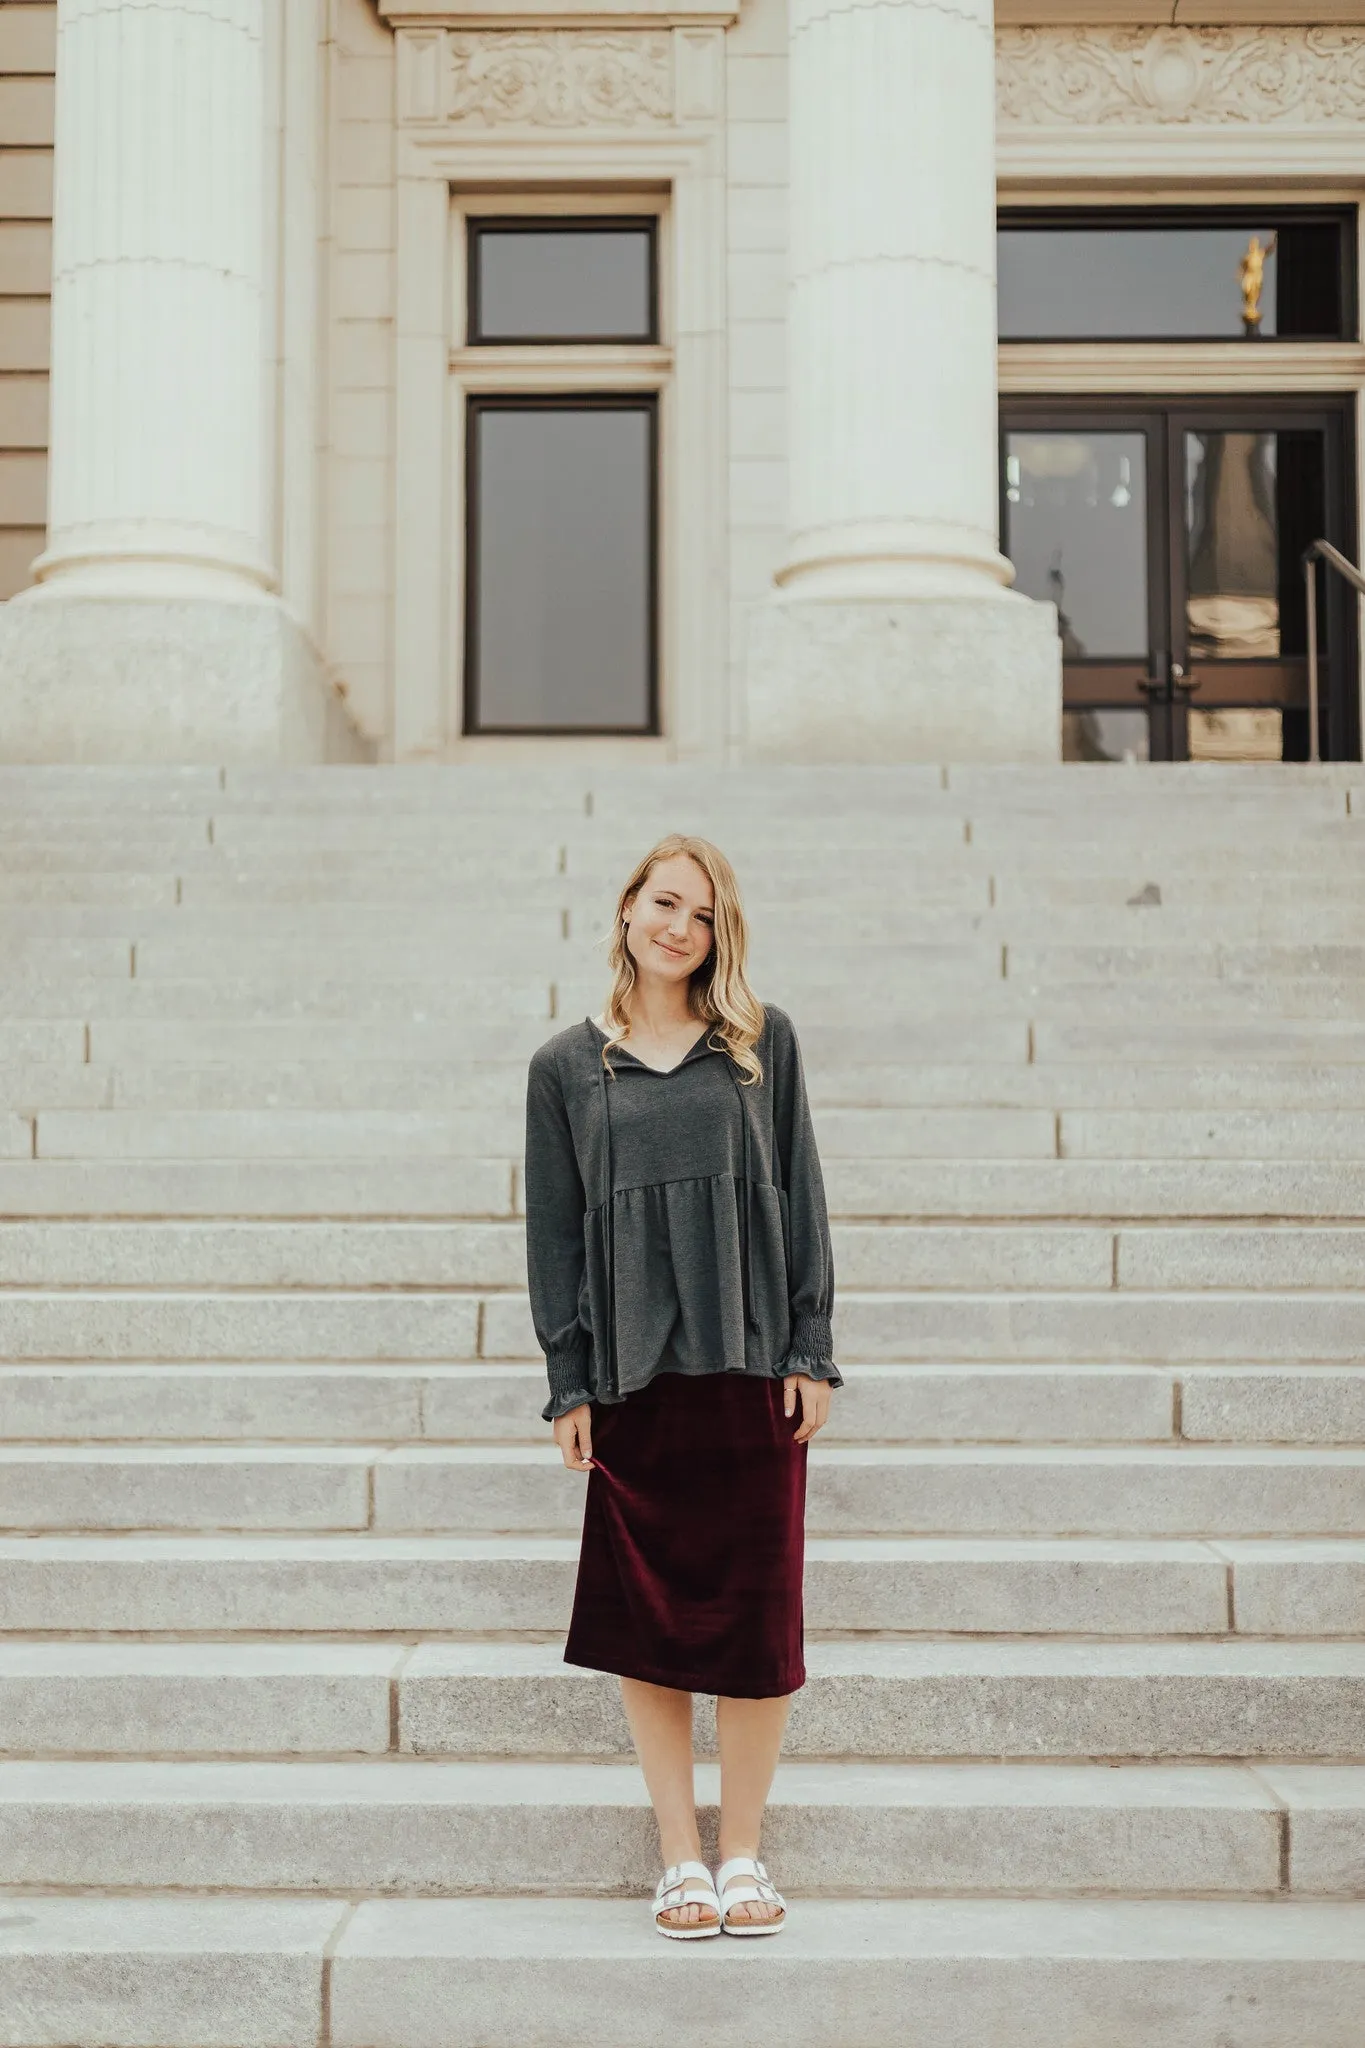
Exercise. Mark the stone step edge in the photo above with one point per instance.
(1253, 1830)
(478, 1293)
(519, 1453)
(933, 1654)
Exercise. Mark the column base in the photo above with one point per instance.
(934, 679)
(145, 680)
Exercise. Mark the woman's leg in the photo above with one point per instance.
(749, 1734)
(661, 1728)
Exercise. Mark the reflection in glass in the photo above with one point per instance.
(1168, 280)
(561, 282)
(1253, 503)
(1076, 532)
(1255, 733)
(561, 550)
(1105, 736)
(1232, 606)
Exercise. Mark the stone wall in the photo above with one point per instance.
(358, 494)
(1072, 100)
(756, 146)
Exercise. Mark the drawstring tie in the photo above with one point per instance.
(608, 1228)
(746, 1219)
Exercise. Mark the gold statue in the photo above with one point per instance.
(1251, 276)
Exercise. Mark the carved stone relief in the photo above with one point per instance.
(1123, 77)
(560, 78)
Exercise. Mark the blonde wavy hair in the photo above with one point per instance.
(719, 993)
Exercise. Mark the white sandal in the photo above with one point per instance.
(760, 1889)
(686, 1884)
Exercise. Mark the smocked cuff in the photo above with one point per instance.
(567, 1368)
(793, 1367)
(811, 1351)
(560, 1404)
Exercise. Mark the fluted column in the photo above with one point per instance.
(893, 633)
(158, 406)
(153, 630)
(891, 346)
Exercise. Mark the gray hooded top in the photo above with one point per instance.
(688, 1202)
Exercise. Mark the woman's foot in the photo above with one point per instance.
(685, 1904)
(750, 1902)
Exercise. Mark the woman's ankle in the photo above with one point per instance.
(727, 1850)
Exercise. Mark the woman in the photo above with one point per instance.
(681, 1286)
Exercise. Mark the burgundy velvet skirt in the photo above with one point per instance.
(690, 1572)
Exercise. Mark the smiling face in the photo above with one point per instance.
(670, 921)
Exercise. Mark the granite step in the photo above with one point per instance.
(362, 1133)
(1220, 927)
(501, 1402)
(956, 1699)
(445, 1086)
(970, 1191)
(229, 1253)
(959, 1038)
(446, 1325)
(473, 1699)
(413, 1827)
(169, 1971)
(388, 1585)
(1004, 1490)
(335, 1003)
(945, 1973)
(192, 1402)
(1130, 1490)
(382, 1188)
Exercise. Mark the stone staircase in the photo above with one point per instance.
(290, 1755)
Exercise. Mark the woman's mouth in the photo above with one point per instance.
(673, 952)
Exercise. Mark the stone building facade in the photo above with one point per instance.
(301, 505)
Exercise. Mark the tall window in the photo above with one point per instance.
(561, 474)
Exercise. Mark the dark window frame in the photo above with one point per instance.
(1275, 215)
(647, 402)
(570, 224)
(1167, 416)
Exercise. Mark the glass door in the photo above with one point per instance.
(1170, 539)
(1082, 523)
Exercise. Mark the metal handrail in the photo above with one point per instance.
(1321, 551)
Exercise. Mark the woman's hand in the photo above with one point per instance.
(573, 1434)
(815, 1398)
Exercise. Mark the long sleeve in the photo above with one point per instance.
(810, 1280)
(555, 1256)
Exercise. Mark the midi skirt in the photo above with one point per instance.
(690, 1571)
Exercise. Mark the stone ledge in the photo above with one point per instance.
(532, 14)
(133, 681)
(1178, 13)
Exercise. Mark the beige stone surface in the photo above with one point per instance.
(927, 1974)
(171, 681)
(192, 1973)
(433, 1584)
(942, 679)
(444, 1828)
